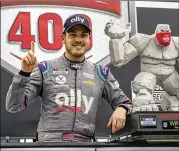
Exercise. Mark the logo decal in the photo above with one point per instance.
(102, 72)
(165, 124)
(89, 82)
(75, 66)
(60, 71)
(61, 79)
(77, 19)
(88, 75)
(44, 67)
(67, 101)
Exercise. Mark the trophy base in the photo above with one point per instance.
(150, 126)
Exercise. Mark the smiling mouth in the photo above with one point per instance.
(78, 46)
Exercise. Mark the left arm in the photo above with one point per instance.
(120, 103)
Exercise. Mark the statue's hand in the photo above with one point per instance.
(114, 31)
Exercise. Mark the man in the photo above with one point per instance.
(70, 88)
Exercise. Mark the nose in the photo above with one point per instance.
(78, 38)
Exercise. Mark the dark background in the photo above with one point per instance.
(148, 18)
(25, 122)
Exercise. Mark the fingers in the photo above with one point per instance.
(25, 59)
(123, 123)
(117, 124)
(35, 60)
(30, 55)
(30, 58)
(32, 47)
(109, 123)
(114, 125)
(120, 124)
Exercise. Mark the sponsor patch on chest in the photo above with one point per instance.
(60, 71)
(89, 82)
(73, 101)
(61, 79)
(88, 75)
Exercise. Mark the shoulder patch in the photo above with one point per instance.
(102, 72)
(44, 66)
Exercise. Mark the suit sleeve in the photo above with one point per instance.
(23, 91)
(115, 95)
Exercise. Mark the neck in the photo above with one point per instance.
(74, 59)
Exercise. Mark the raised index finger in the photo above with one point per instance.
(32, 47)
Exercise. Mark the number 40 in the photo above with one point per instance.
(23, 21)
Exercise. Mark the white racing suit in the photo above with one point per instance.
(70, 94)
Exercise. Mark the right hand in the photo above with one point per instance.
(29, 62)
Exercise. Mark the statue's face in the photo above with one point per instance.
(163, 34)
(162, 28)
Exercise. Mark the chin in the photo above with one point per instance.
(78, 54)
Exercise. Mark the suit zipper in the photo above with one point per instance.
(75, 99)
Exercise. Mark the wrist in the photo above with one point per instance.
(122, 109)
(24, 73)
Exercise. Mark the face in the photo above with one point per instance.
(163, 28)
(163, 35)
(76, 41)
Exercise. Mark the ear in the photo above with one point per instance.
(63, 38)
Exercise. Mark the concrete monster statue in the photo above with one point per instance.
(158, 55)
(177, 67)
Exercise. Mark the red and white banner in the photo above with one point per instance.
(112, 6)
(23, 21)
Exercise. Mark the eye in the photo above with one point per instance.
(162, 30)
(72, 35)
(84, 35)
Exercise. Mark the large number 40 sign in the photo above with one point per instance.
(23, 22)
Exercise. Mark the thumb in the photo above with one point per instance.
(109, 123)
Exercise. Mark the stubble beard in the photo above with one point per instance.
(75, 54)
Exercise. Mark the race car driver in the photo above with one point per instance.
(70, 87)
